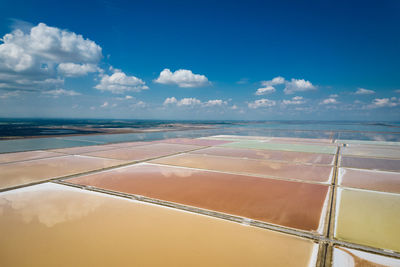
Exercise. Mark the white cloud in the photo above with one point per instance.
(189, 102)
(127, 97)
(397, 91)
(264, 102)
(105, 104)
(170, 100)
(362, 91)
(265, 90)
(119, 83)
(292, 86)
(74, 70)
(329, 101)
(59, 92)
(384, 102)
(297, 100)
(182, 78)
(234, 107)
(275, 81)
(216, 102)
(333, 96)
(269, 86)
(30, 60)
(298, 85)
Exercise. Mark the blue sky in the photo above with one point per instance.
(322, 60)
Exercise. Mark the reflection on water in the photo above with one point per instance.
(55, 225)
(24, 172)
(356, 258)
(47, 206)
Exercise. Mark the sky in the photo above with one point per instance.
(239, 60)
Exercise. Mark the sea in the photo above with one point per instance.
(61, 133)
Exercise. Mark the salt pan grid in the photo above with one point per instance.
(300, 205)
(280, 194)
(273, 155)
(28, 155)
(80, 228)
(31, 171)
(293, 171)
(145, 152)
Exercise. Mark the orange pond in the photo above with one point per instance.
(19, 173)
(287, 203)
(370, 163)
(56, 225)
(301, 157)
(143, 152)
(249, 166)
(368, 179)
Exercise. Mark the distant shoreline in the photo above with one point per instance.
(85, 131)
(16, 129)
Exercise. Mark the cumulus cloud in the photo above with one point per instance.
(105, 104)
(329, 101)
(34, 59)
(182, 78)
(264, 102)
(215, 102)
(127, 97)
(265, 90)
(119, 83)
(74, 70)
(188, 102)
(170, 100)
(275, 81)
(334, 96)
(290, 87)
(60, 92)
(384, 102)
(297, 100)
(298, 85)
(362, 91)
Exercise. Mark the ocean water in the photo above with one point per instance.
(373, 131)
